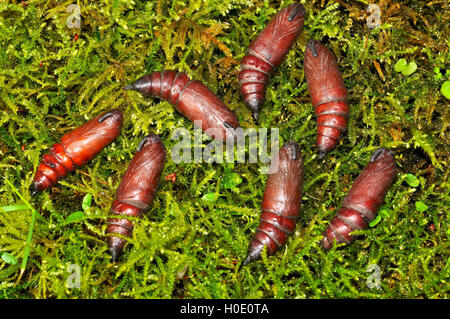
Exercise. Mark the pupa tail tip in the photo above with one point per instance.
(250, 258)
(247, 260)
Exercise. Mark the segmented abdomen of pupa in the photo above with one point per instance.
(328, 95)
(266, 53)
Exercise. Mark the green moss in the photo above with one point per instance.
(190, 247)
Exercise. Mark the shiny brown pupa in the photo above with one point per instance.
(192, 99)
(136, 192)
(76, 149)
(281, 203)
(266, 53)
(364, 199)
(328, 95)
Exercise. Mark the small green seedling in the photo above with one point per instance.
(405, 68)
(8, 258)
(78, 215)
(412, 180)
(382, 214)
(210, 197)
(445, 89)
(421, 206)
(231, 180)
(437, 73)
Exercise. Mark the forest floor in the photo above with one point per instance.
(57, 71)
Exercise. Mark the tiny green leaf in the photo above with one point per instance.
(445, 89)
(74, 217)
(375, 221)
(8, 258)
(410, 69)
(421, 206)
(383, 213)
(231, 180)
(12, 208)
(400, 65)
(438, 74)
(412, 180)
(210, 197)
(87, 201)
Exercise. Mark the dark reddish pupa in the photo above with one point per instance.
(364, 199)
(281, 203)
(192, 99)
(136, 192)
(328, 95)
(266, 53)
(76, 149)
